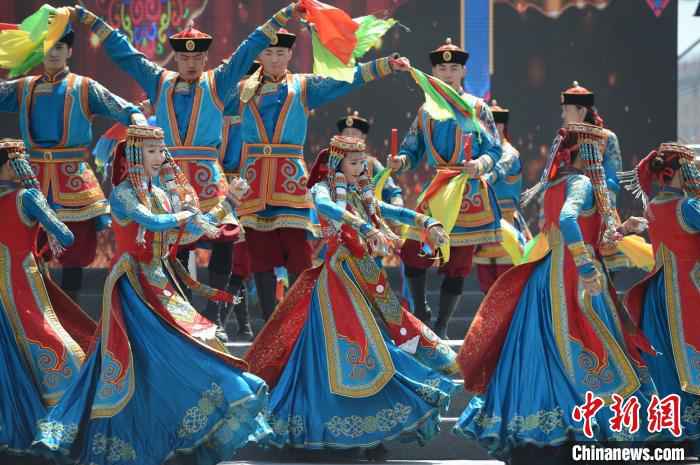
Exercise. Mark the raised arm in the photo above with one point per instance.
(35, 207)
(9, 100)
(104, 103)
(322, 90)
(123, 53)
(232, 70)
(579, 197)
(126, 206)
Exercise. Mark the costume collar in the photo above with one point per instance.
(56, 77)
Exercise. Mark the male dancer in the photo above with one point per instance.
(189, 106)
(55, 115)
(273, 106)
(447, 147)
(506, 179)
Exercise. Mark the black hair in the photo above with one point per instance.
(660, 165)
(68, 39)
(592, 116)
(4, 157)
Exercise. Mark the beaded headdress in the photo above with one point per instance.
(589, 140)
(639, 180)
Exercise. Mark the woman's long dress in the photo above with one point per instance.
(538, 343)
(150, 388)
(664, 303)
(43, 334)
(348, 365)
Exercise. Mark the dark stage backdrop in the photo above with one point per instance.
(622, 52)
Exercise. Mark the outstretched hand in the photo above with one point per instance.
(379, 243)
(73, 14)
(400, 64)
(635, 225)
(298, 11)
(238, 188)
(437, 236)
(395, 162)
(471, 167)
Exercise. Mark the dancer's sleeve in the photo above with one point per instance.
(413, 146)
(322, 90)
(612, 164)
(124, 54)
(508, 165)
(126, 206)
(690, 209)
(36, 208)
(328, 208)
(104, 103)
(9, 100)
(406, 216)
(579, 197)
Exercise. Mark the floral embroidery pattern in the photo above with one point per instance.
(430, 392)
(691, 414)
(197, 417)
(543, 420)
(487, 421)
(293, 425)
(355, 426)
(113, 448)
(58, 433)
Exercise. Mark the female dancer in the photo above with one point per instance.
(548, 331)
(150, 389)
(43, 334)
(663, 301)
(349, 366)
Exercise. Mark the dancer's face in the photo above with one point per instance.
(56, 59)
(190, 65)
(354, 132)
(153, 156)
(572, 114)
(275, 60)
(353, 165)
(451, 73)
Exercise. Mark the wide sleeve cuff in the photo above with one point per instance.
(376, 69)
(356, 223)
(278, 21)
(582, 257)
(97, 25)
